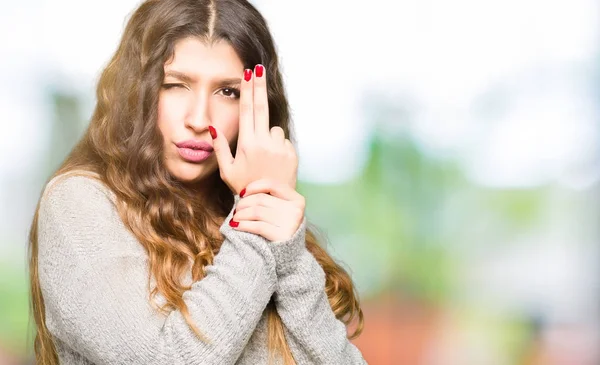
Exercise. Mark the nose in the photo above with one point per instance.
(198, 117)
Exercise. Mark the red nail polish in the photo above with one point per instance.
(247, 74)
(259, 70)
(235, 210)
(213, 132)
(233, 223)
(242, 192)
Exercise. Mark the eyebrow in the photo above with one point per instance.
(188, 78)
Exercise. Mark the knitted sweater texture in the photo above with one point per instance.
(94, 278)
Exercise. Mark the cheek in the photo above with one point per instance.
(170, 114)
(227, 119)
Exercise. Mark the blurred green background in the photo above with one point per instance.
(449, 153)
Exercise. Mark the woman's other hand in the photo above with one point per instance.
(270, 209)
(262, 153)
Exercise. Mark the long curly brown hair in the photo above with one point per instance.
(122, 147)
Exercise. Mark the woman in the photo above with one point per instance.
(153, 243)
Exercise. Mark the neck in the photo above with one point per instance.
(209, 191)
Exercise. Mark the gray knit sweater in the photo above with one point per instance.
(93, 274)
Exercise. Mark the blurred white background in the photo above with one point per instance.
(505, 94)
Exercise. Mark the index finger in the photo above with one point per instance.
(274, 188)
(246, 107)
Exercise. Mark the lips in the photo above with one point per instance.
(194, 151)
(195, 145)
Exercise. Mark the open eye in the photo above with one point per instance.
(231, 92)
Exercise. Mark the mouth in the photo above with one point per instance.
(194, 151)
(194, 155)
(195, 145)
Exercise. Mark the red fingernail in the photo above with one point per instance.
(213, 132)
(247, 74)
(233, 223)
(242, 192)
(235, 210)
(259, 70)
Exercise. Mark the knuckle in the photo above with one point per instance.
(248, 146)
(256, 213)
(280, 151)
(260, 199)
(290, 149)
(241, 205)
(277, 129)
(260, 229)
(268, 182)
(270, 147)
(301, 202)
(223, 174)
(299, 213)
(246, 109)
(260, 109)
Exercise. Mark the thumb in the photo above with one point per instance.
(221, 147)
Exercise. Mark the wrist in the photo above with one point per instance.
(287, 252)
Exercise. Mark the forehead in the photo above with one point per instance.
(196, 57)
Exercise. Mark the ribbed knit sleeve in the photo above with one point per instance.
(314, 334)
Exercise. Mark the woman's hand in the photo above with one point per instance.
(261, 153)
(270, 209)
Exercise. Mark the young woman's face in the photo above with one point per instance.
(200, 88)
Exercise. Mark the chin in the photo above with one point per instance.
(189, 173)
